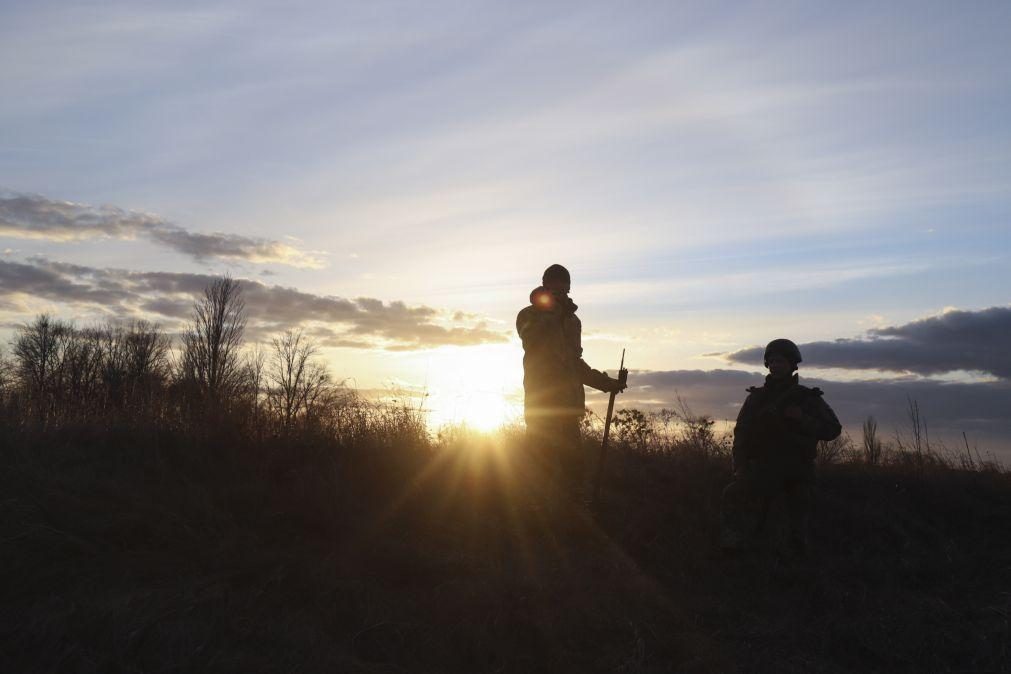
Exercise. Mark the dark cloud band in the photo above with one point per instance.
(953, 341)
(26, 216)
(979, 409)
(362, 322)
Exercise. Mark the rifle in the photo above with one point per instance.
(622, 378)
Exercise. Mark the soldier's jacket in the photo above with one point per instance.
(554, 371)
(764, 434)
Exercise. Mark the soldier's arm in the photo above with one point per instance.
(819, 421)
(742, 432)
(587, 375)
(534, 326)
(595, 378)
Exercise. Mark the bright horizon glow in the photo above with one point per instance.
(480, 387)
(480, 410)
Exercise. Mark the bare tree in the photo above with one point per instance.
(254, 366)
(147, 351)
(296, 380)
(7, 377)
(135, 363)
(115, 364)
(210, 359)
(40, 350)
(833, 451)
(79, 390)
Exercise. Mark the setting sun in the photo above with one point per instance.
(480, 387)
(480, 410)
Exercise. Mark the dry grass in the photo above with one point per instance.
(150, 550)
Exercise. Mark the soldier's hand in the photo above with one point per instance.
(563, 302)
(617, 386)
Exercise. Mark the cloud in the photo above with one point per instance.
(362, 322)
(28, 216)
(51, 284)
(953, 341)
(979, 409)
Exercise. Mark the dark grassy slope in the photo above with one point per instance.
(910, 571)
(136, 552)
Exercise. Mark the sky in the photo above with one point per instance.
(394, 177)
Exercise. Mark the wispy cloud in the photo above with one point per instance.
(361, 322)
(953, 341)
(30, 216)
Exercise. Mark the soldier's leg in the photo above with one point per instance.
(581, 466)
(543, 445)
(799, 500)
(763, 505)
(535, 437)
(770, 483)
(565, 447)
(736, 505)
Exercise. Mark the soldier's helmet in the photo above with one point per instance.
(782, 347)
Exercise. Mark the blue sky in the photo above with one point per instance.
(714, 174)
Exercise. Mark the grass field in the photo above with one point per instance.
(151, 550)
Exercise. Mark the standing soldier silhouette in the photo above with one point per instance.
(554, 374)
(775, 443)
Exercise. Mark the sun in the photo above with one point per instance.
(479, 410)
(479, 387)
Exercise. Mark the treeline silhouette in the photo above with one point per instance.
(191, 503)
(208, 381)
(60, 376)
